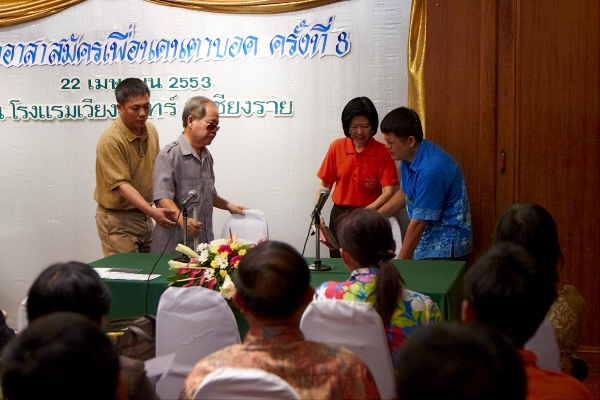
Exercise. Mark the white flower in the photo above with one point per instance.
(186, 250)
(203, 255)
(202, 247)
(218, 242)
(228, 288)
(223, 262)
(209, 273)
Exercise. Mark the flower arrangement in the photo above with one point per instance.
(210, 265)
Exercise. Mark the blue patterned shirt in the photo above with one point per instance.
(435, 191)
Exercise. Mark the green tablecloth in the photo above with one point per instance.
(440, 280)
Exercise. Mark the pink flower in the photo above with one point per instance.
(190, 283)
(183, 271)
(225, 248)
(211, 283)
(234, 261)
(195, 272)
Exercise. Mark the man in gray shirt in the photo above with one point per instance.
(184, 165)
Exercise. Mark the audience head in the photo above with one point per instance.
(459, 361)
(195, 107)
(130, 87)
(365, 237)
(403, 123)
(532, 226)
(62, 355)
(71, 286)
(6, 333)
(273, 282)
(508, 290)
(360, 106)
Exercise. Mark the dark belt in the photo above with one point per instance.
(134, 210)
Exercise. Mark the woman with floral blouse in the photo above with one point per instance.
(366, 247)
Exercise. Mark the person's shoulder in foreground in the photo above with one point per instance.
(272, 291)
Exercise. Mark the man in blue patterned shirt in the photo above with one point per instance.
(433, 191)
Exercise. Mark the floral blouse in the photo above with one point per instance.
(413, 309)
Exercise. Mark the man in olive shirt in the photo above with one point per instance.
(125, 158)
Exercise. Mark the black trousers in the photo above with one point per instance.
(336, 213)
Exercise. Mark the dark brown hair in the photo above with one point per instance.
(367, 236)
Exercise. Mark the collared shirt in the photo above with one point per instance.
(314, 370)
(122, 157)
(412, 310)
(435, 191)
(358, 177)
(178, 170)
(542, 384)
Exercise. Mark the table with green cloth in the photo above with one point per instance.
(439, 279)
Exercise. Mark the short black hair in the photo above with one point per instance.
(403, 122)
(63, 356)
(460, 361)
(510, 291)
(130, 87)
(272, 279)
(71, 286)
(532, 226)
(360, 106)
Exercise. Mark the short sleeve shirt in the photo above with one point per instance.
(358, 177)
(178, 170)
(435, 191)
(122, 157)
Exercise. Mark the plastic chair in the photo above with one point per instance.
(355, 326)
(251, 226)
(239, 384)
(397, 233)
(193, 323)
(543, 343)
(22, 320)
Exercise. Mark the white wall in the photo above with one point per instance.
(269, 163)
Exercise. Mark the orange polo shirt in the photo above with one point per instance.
(358, 177)
(542, 384)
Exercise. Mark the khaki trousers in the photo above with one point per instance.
(123, 231)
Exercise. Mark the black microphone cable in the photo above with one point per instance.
(156, 263)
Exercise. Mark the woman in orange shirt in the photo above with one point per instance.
(364, 174)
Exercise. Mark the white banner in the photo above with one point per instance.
(280, 96)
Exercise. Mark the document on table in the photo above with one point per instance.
(110, 273)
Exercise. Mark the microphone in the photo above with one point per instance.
(192, 194)
(323, 195)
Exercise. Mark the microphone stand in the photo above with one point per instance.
(183, 258)
(318, 266)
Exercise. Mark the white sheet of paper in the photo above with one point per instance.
(104, 274)
(157, 367)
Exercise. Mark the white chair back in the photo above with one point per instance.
(22, 319)
(251, 226)
(397, 233)
(193, 323)
(241, 384)
(355, 326)
(543, 343)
